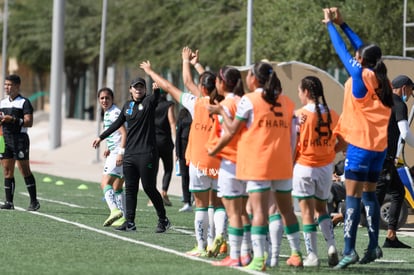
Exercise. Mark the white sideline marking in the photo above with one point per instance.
(188, 232)
(61, 202)
(116, 236)
(390, 261)
(58, 202)
(181, 230)
(147, 244)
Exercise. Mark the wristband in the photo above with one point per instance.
(197, 65)
(121, 151)
(186, 61)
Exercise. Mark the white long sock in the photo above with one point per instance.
(310, 242)
(201, 227)
(211, 227)
(258, 242)
(120, 200)
(246, 247)
(235, 241)
(220, 222)
(110, 197)
(294, 241)
(276, 234)
(326, 227)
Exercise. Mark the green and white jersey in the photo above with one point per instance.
(113, 141)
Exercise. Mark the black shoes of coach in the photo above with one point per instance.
(388, 243)
(7, 206)
(34, 206)
(163, 225)
(127, 226)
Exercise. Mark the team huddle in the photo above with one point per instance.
(242, 189)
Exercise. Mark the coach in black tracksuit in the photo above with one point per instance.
(141, 155)
(389, 180)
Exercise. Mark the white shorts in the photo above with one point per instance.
(312, 182)
(228, 186)
(110, 167)
(274, 185)
(199, 182)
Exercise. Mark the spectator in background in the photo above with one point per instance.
(183, 130)
(16, 117)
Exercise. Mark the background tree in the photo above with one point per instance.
(157, 30)
(82, 37)
(30, 36)
(293, 30)
(29, 39)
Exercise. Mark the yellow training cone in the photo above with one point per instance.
(83, 187)
(47, 179)
(59, 182)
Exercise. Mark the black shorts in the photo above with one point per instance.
(17, 147)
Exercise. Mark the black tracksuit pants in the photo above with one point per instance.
(141, 166)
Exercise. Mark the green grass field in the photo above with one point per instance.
(66, 236)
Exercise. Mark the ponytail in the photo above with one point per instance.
(232, 79)
(372, 58)
(208, 80)
(384, 91)
(315, 88)
(270, 83)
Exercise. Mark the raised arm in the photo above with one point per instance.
(337, 42)
(194, 61)
(356, 42)
(189, 57)
(161, 82)
(352, 66)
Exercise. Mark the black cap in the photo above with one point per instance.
(402, 80)
(138, 80)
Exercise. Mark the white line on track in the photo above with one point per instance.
(54, 201)
(144, 243)
(75, 205)
(181, 230)
(116, 236)
(61, 202)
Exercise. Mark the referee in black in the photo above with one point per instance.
(16, 114)
(141, 155)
